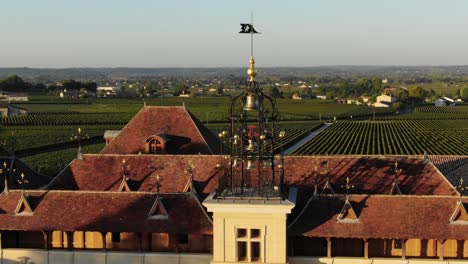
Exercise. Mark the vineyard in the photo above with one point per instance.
(291, 136)
(26, 137)
(67, 119)
(457, 110)
(397, 137)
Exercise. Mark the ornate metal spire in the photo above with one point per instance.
(252, 169)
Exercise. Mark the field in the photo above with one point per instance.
(396, 137)
(46, 137)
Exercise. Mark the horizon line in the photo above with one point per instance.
(233, 67)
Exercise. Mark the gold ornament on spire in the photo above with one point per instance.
(252, 72)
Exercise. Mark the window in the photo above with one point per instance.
(249, 245)
(397, 244)
(182, 238)
(155, 146)
(115, 237)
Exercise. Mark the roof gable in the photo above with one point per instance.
(124, 187)
(23, 207)
(158, 211)
(460, 215)
(347, 214)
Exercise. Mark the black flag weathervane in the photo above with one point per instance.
(249, 29)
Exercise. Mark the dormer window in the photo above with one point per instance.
(156, 144)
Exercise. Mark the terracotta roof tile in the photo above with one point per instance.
(170, 120)
(104, 173)
(368, 174)
(104, 211)
(382, 216)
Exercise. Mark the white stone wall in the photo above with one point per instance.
(36, 256)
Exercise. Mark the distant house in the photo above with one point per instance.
(444, 101)
(296, 96)
(386, 98)
(14, 97)
(69, 94)
(385, 81)
(350, 101)
(365, 99)
(340, 101)
(108, 90)
(10, 110)
(109, 135)
(323, 97)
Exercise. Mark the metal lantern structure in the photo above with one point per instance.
(252, 169)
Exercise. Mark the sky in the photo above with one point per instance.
(204, 33)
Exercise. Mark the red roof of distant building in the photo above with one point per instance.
(169, 120)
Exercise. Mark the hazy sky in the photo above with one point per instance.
(203, 33)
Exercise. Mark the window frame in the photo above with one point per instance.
(249, 238)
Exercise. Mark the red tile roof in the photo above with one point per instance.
(368, 174)
(454, 168)
(170, 120)
(104, 212)
(382, 216)
(104, 173)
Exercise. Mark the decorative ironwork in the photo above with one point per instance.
(22, 182)
(252, 169)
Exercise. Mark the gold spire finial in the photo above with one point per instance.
(252, 72)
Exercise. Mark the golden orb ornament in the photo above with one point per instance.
(252, 72)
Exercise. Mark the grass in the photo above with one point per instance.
(51, 163)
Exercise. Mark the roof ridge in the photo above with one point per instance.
(125, 127)
(150, 155)
(97, 192)
(192, 116)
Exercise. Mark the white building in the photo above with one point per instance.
(444, 101)
(386, 98)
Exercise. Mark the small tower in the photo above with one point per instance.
(250, 206)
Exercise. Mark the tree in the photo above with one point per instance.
(376, 85)
(71, 85)
(464, 93)
(12, 83)
(220, 90)
(275, 92)
(417, 92)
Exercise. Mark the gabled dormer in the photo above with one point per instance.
(124, 186)
(158, 210)
(327, 188)
(460, 214)
(347, 214)
(189, 187)
(23, 208)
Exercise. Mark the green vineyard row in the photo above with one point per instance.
(398, 137)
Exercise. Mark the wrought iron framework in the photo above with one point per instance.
(252, 170)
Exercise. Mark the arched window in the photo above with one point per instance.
(155, 146)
